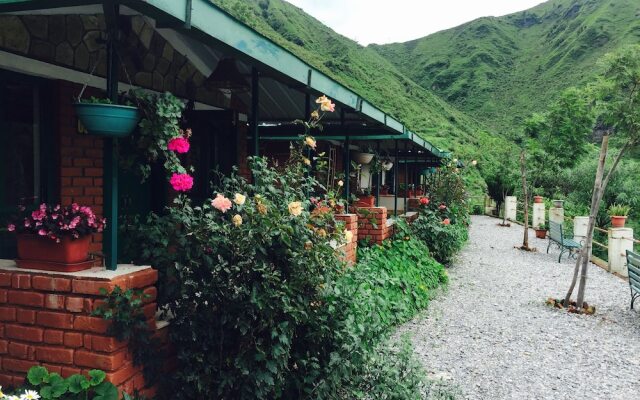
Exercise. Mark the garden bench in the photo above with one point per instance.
(633, 266)
(556, 235)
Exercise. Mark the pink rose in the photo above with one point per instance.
(42, 232)
(221, 203)
(181, 182)
(11, 227)
(446, 221)
(179, 145)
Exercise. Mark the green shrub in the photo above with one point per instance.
(443, 240)
(478, 210)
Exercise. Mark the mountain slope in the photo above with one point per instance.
(371, 75)
(500, 70)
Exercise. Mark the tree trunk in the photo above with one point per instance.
(586, 249)
(523, 171)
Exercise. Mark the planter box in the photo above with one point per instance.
(541, 233)
(368, 201)
(70, 255)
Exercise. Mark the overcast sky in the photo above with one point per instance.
(384, 21)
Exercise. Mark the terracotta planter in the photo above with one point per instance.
(366, 201)
(69, 255)
(618, 221)
(538, 199)
(541, 233)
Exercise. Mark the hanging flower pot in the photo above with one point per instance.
(387, 165)
(109, 120)
(538, 199)
(362, 158)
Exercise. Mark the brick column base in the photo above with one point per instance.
(46, 320)
(349, 250)
(377, 233)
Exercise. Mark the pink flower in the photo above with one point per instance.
(221, 203)
(38, 215)
(11, 227)
(446, 221)
(27, 223)
(424, 201)
(179, 145)
(42, 232)
(181, 182)
(442, 206)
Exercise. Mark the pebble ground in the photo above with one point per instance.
(492, 336)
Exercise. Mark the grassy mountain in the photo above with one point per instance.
(371, 75)
(500, 70)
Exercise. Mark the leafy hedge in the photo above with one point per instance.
(444, 241)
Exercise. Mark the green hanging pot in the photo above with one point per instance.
(110, 120)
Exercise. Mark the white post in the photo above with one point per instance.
(580, 228)
(620, 240)
(556, 215)
(538, 215)
(510, 207)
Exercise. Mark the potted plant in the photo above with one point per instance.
(102, 117)
(558, 203)
(618, 214)
(55, 238)
(365, 199)
(538, 199)
(541, 231)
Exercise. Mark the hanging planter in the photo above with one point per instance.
(387, 165)
(109, 120)
(362, 158)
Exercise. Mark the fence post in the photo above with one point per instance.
(510, 207)
(580, 228)
(538, 215)
(620, 240)
(556, 214)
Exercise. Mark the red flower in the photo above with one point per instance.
(446, 221)
(442, 206)
(179, 145)
(424, 201)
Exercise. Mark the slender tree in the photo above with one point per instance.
(617, 99)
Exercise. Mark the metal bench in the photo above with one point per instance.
(556, 235)
(633, 266)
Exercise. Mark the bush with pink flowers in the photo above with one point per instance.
(56, 222)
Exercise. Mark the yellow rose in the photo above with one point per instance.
(311, 142)
(308, 245)
(295, 208)
(325, 104)
(340, 183)
(262, 209)
(322, 233)
(239, 199)
(348, 236)
(315, 114)
(306, 161)
(237, 220)
(474, 163)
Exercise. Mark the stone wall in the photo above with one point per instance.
(77, 42)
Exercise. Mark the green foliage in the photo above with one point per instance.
(477, 210)
(124, 309)
(443, 241)
(619, 210)
(76, 387)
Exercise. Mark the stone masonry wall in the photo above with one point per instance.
(46, 320)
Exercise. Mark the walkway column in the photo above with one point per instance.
(580, 228)
(620, 240)
(538, 215)
(510, 207)
(556, 214)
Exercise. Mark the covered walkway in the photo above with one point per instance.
(492, 336)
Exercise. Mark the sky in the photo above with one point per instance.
(383, 21)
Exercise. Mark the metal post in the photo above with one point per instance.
(255, 103)
(346, 159)
(110, 152)
(406, 177)
(378, 178)
(396, 166)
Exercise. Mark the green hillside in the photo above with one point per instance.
(500, 70)
(371, 75)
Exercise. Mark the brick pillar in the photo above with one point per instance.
(349, 250)
(46, 320)
(377, 233)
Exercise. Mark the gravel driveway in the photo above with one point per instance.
(492, 336)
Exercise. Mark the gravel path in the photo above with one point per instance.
(492, 336)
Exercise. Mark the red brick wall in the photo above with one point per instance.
(80, 160)
(377, 233)
(349, 250)
(46, 319)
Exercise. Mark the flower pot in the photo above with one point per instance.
(109, 120)
(538, 199)
(365, 201)
(411, 193)
(362, 158)
(38, 252)
(387, 165)
(558, 203)
(541, 233)
(618, 221)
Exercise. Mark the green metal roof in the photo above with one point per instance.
(208, 21)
